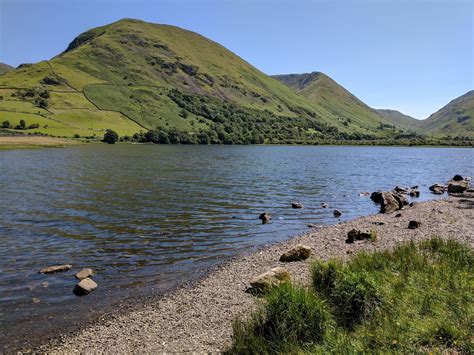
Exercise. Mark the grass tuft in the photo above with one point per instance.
(416, 298)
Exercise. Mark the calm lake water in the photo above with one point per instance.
(148, 218)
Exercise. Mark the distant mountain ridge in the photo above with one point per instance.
(399, 119)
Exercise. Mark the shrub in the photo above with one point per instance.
(110, 137)
(6, 124)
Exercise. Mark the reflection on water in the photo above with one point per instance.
(150, 217)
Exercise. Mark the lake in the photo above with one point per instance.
(148, 218)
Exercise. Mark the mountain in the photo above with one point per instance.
(4, 68)
(399, 119)
(454, 119)
(133, 75)
(322, 91)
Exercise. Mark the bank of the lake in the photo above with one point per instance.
(199, 317)
(33, 142)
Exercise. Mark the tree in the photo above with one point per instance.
(22, 124)
(110, 137)
(6, 124)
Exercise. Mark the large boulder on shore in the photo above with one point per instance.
(268, 280)
(388, 202)
(298, 253)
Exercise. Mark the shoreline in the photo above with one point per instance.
(197, 316)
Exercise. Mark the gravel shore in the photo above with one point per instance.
(199, 317)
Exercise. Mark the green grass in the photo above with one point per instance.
(413, 299)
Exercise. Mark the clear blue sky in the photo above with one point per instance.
(410, 55)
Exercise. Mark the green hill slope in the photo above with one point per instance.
(322, 91)
(132, 76)
(4, 68)
(399, 119)
(455, 119)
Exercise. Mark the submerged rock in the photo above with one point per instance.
(337, 213)
(355, 234)
(268, 280)
(414, 224)
(84, 287)
(265, 217)
(298, 253)
(84, 273)
(56, 268)
(437, 189)
(324, 205)
(297, 205)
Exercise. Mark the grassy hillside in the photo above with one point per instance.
(322, 91)
(4, 68)
(454, 119)
(399, 119)
(133, 76)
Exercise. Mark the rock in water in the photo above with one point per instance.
(337, 213)
(458, 186)
(389, 203)
(265, 217)
(84, 273)
(355, 234)
(268, 280)
(414, 224)
(298, 253)
(84, 287)
(56, 268)
(457, 178)
(437, 189)
(297, 205)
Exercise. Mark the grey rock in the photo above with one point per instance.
(414, 224)
(337, 213)
(265, 217)
(84, 273)
(297, 205)
(84, 287)
(270, 279)
(54, 269)
(355, 234)
(298, 253)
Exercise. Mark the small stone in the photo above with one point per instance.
(84, 287)
(337, 213)
(365, 193)
(265, 217)
(298, 253)
(45, 284)
(398, 215)
(414, 224)
(35, 300)
(355, 234)
(412, 204)
(84, 273)
(378, 223)
(437, 189)
(297, 205)
(56, 268)
(270, 279)
(324, 205)
(312, 225)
